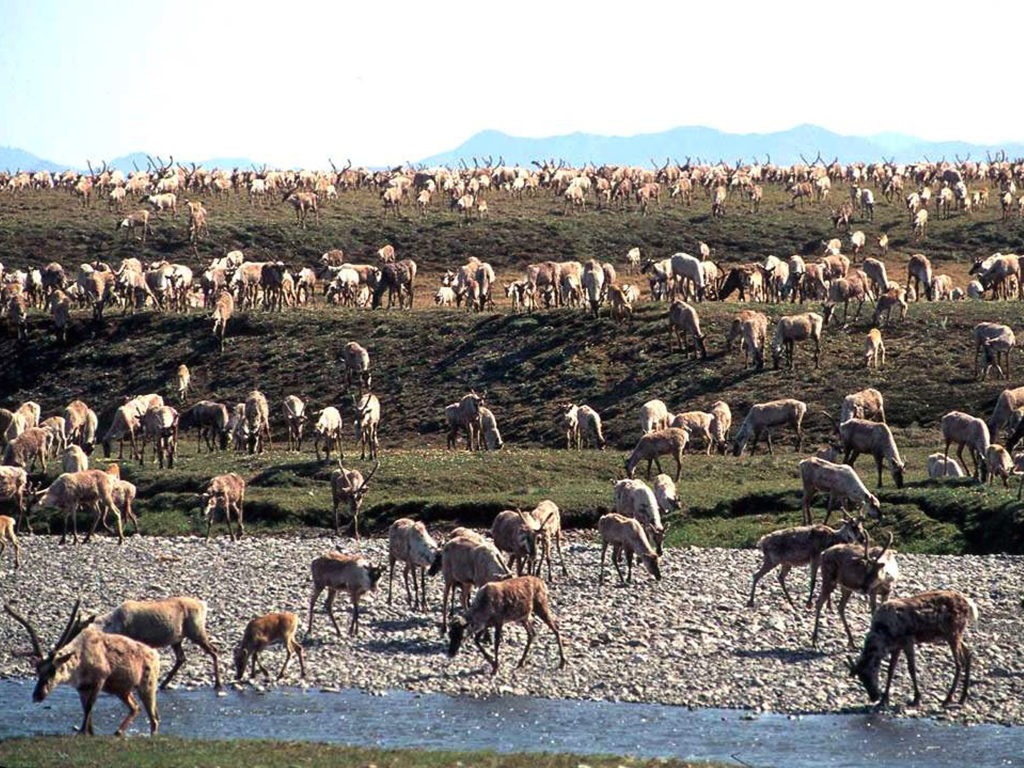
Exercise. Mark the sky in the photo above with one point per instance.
(385, 83)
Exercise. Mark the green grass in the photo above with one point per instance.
(526, 365)
(72, 751)
(727, 502)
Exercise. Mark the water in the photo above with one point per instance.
(523, 724)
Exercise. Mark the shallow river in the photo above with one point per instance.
(513, 723)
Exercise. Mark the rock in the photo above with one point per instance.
(692, 634)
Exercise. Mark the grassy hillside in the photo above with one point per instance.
(526, 364)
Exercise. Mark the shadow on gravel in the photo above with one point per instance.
(412, 647)
(781, 653)
(446, 674)
(401, 625)
(1005, 673)
(319, 642)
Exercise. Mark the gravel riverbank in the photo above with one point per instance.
(689, 640)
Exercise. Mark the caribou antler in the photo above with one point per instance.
(373, 471)
(830, 417)
(71, 630)
(344, 474)
(366, 481)
(884, 549)
(74, 626)
(37, 647)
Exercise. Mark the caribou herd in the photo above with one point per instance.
(115, 652)
(381, 277)
(504, 567)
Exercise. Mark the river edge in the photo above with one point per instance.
(687, 641)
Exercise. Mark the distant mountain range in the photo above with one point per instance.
(13, 159)
(784, 147)
(694, 142)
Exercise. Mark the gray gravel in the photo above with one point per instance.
(689, 640)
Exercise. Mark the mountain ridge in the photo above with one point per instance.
(14, 159)
(696, 142)
(802, 142)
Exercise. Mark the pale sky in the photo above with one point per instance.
(387, 82)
